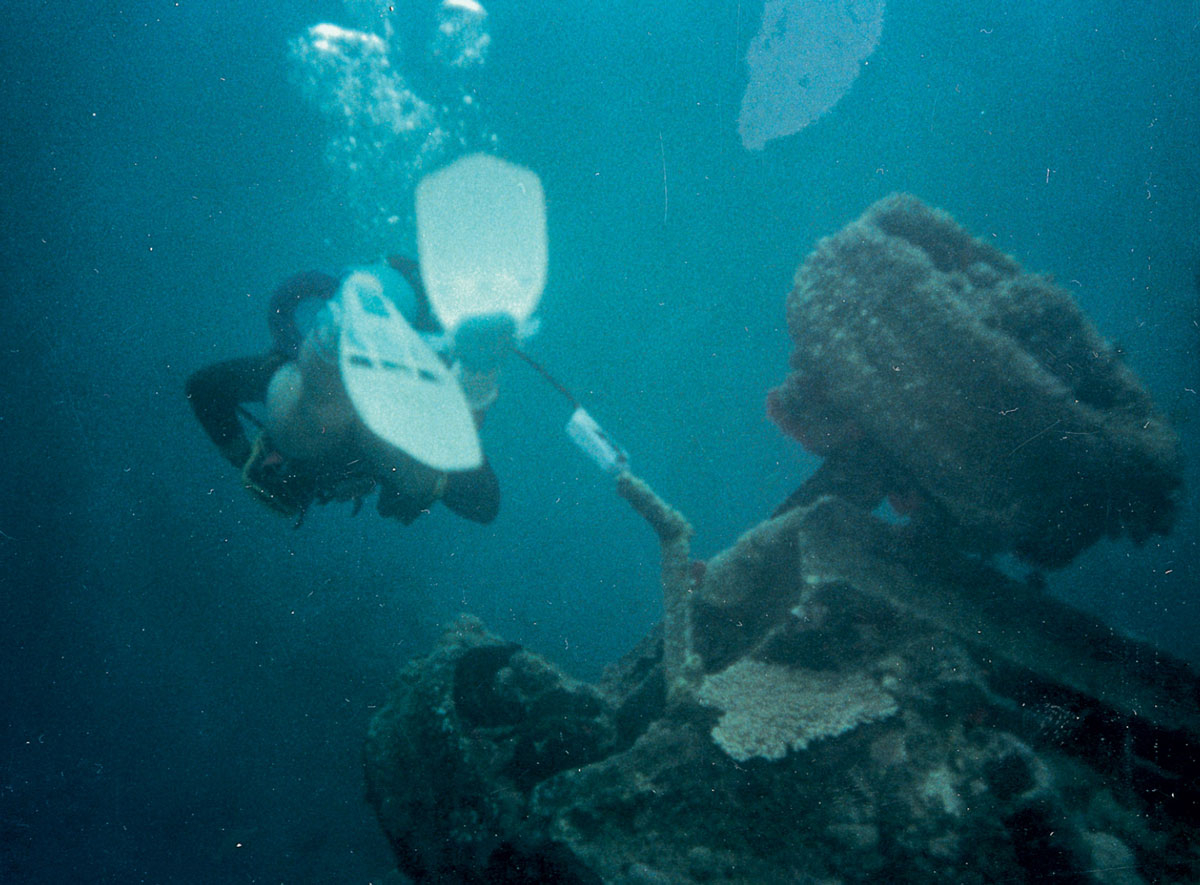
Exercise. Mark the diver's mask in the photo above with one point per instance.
(326, 332)
(318, 323)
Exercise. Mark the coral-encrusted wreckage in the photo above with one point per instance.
(842, 697)
(930, 368)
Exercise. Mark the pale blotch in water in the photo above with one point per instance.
(804, 58)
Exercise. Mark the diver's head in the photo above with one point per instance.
(293, 305)
(375, 288)
(375, 281)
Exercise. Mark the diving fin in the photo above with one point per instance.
(481, 238)
(401, 389)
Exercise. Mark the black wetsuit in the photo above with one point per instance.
(216, 392)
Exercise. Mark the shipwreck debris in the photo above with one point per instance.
(929, 366)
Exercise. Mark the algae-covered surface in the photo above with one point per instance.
(880, 724)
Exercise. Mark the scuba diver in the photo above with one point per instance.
(313, 445)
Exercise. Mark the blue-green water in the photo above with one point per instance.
(187, 679)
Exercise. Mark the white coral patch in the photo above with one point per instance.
(768, 709)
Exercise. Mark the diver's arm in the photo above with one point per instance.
(474, 494)
(216, 391)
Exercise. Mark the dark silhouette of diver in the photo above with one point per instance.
(312, 448)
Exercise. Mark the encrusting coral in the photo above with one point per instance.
(674, 534)
(768, 709)
(929, 367)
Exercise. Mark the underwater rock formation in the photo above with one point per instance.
(930, 368)
(852, 707)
